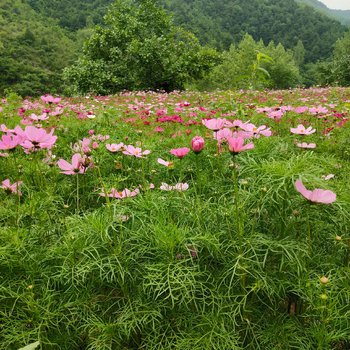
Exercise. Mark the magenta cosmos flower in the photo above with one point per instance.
(179, 152)
(14, 188)
(197, 144)
(214, 124)
(135, 151)
(301, 130)
(236, 145)
(317, 195)
(36, 138)
(76, 167)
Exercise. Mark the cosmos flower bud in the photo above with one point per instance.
(197, 144)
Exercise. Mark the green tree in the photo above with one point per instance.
(299, 53)
(341, 61)
(252, 65)
(138, 47)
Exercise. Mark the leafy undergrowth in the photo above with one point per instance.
(131, 246)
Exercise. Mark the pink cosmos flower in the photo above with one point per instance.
(115, 147)
(300, 130)
(233, 124)
(50, 99)
(317, 195)
(36, 138)
(4, 128)
(236, 145)
(197, 144)
(14, 188)
(179, 152)
(35, 117)
(9, 141)
(159, 129)
(301, 109)
(178, 187)
(76, 167)
(135, 151)
(214, 124)
(165, 163)
(85, 146)
(328, 177)
(120, 194)
(257, 131)
(276, 115)
(318, 110)
(306, 145)
(223, 134)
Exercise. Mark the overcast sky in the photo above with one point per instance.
(337, 4)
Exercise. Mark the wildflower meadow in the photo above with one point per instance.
(183, 220)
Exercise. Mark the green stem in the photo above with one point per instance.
(77, 193)
(239, 223)
(103, 186)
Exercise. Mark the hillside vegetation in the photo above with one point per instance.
(39, 38)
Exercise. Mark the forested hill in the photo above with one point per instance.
(342, 16)
(38, 38)
(33, 49)
(221, 22)
(72, 14)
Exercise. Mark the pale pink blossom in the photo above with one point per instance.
(301, 109)
(180, 152)
(233, 124)
(159, 129)
(257, 131)
(306, 145)
(328, 177)
(115, 147)
(35, 117)
(317, 195)
(165, 163)
(223, 134)
(50, 99)
(276, 115)
(76, 167)
(301, 130)
(14, 188)
(178, 187)
(4, 128)
(214, 124)
(236, 145)
(120, 194)
(9, 141)
(318, 110)
(36, 138)
(135, 151)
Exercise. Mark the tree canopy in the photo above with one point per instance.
(138, 47)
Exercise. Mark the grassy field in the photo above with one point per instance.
(176, 221)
